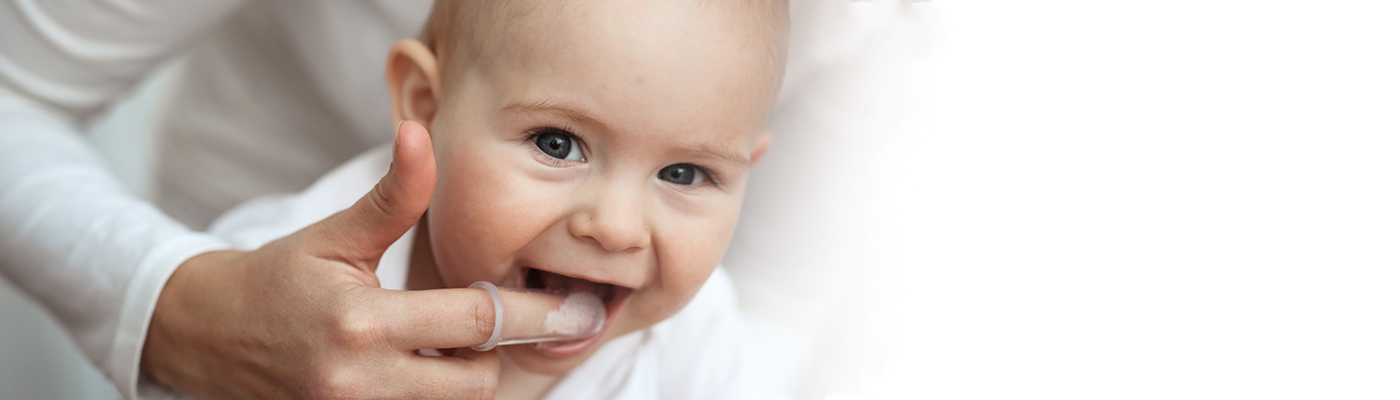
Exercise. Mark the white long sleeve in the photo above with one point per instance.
(71, 237)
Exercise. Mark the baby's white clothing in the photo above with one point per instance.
(703, 352)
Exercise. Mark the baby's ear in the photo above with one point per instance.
(760, 147)
(414, 84)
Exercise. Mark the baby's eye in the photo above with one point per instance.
(682, 174)
(558, 144)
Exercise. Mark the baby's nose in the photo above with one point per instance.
(616, 220)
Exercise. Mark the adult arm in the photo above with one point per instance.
(300, 317)
(95, 256)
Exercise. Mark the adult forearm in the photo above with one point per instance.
(73, 239)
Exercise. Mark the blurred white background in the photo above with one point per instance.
(1141, 200)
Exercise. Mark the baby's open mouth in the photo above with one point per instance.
(549, 281)
(612, 295)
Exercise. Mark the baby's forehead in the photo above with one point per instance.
(516, 33)
(661, 69)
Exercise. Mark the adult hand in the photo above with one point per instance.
(304, 316)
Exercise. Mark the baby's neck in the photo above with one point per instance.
(514, 383)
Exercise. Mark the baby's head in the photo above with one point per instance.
(590, 145)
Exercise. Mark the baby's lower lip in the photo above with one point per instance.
(569, 348)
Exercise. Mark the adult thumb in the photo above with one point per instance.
(360, 234)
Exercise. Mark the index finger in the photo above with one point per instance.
(455, 318)
(437, 318)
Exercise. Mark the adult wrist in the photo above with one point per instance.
(125, 365)
(170, 356)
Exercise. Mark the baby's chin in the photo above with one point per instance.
(528, 359)
(538, 358)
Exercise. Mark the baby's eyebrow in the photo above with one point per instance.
(553, 107)
(726, 154)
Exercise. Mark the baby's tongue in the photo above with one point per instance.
(556, 282)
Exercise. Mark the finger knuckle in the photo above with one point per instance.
(485, 377)
(381, 200)
(483, 387)
(338, 383)
(358, 330)
(484, 317)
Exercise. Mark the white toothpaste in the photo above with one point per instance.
(580, 314)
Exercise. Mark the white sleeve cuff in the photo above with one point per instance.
(140, 303)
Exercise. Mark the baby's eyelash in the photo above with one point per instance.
(710, 178)
(534, 134)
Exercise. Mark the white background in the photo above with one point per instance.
(1140, 200)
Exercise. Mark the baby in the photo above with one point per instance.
(590, 145)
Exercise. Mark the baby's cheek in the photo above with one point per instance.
(485, 208)
(656, 303)
(684, 269)
(470, 242)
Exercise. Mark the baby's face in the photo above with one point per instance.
(603, 151)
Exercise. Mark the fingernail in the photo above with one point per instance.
(397, 128)
(397, 138)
